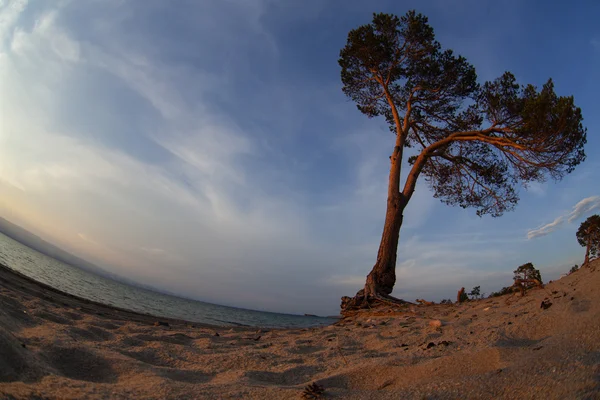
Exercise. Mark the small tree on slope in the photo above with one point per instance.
(472, 143)
(588, 235)
(527, 272)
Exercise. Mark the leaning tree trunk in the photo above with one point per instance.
(382, 277)
(587, 252)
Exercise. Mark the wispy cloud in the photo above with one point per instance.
(581, 208)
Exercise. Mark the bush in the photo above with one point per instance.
(502, 292)
(574, 268)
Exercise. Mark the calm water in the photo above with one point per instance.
(93, 287)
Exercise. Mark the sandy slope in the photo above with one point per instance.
(507, 347)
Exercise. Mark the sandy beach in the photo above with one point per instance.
(56, 346)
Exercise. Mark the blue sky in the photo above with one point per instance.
(206, 147)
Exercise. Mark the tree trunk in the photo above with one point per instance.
(382, 277)
(587, 252)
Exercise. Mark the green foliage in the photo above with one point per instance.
(474, 142)
(527, 271)
(573, 269)
(475, 292)
(589, 233)
(463, 297)
(446, 301)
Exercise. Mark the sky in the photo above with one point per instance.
(206, 148)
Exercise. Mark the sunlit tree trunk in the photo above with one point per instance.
(587, 252)
(382, 277)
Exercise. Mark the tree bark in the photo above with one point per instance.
(587, 252)
(382, 277)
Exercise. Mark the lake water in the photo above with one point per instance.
(81, 283)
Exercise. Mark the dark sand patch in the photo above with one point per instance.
(48, 316)
(92, 334)
(80, 364)
(106, 325)
(187, 376)
(292, 376)
(149, 356)
(72, 316)
(15, 362)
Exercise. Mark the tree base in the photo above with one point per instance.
(373, 301)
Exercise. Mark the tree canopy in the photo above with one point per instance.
(588, 235)
(475, 292)
(474, 142)
(526, 272)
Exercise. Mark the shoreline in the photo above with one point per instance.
(15, 280)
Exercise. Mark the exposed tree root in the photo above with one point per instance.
(374, 302)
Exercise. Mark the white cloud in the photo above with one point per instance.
(9, 15)
(581, 208)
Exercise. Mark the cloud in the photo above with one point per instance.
(9, 15)
(581, 208)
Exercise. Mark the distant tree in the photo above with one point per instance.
(588, 235)
(475, 292)
(461, 297)
(526, 272)
(502, 292)
(472, 143)
(574, 268)
(446, 301)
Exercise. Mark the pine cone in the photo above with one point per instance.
(313, 391)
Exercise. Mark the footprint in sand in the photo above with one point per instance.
(80, 364)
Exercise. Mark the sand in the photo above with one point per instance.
(60, 347)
